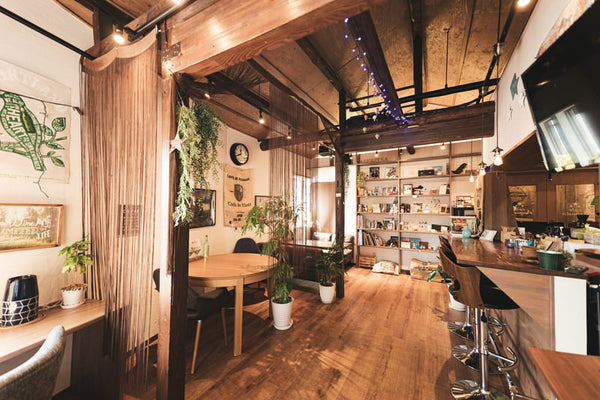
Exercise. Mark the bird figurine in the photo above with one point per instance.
(460, 169)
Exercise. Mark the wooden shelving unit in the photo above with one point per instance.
(399, 169)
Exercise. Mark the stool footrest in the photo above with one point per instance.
(462, 330)
(467, 389)
(469, 356)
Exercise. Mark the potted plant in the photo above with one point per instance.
(361, 176)
(278, 217)
(445, 278)
(77, 259)
(330, 268)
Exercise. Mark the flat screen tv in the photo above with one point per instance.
(563, 90)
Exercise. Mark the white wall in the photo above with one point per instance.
(30, 50)
(220, 237)
(516, 125)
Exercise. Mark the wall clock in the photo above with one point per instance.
(239, 153)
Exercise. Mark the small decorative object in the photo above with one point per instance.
(407, 189)
(437, 170)
(76, 261)
(204, 211)
(460, 169)
(549, 260)
(581, 220)
(488, 235)
(444, 188)
(29, 226)
(374, 172)
(20, 303)
(466, 232)
(426, 172)
(205, 247)
(239, 153)
(390, 172)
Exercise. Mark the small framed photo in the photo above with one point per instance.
(444, 209)
(488, 235)
(30, 226)
(437, 170)
(390, 172)
(258, 200)
(444, 189)
(374, 172)
(204, 208)
(407, 189)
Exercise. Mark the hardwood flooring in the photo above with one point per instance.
(387, 339)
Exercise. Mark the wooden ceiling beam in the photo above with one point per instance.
(475, 115)
(222, 81)
(362, 26)
(279, 80)
(437, 132)
(315, 57)
(416, 25)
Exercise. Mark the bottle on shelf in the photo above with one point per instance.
(205, 248)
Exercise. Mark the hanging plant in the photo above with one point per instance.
(198, 130)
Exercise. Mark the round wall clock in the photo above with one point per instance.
(239, 153)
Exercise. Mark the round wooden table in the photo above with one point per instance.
(236, 269)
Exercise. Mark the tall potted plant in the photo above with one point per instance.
(330, 268)
(77, 259)
(277, 217)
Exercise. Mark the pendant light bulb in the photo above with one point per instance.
(377, 153)
(482, 168)
(497, 156)
(522, 3)
(443, 146)
(261, 119)
(118, 35)
(471, 177)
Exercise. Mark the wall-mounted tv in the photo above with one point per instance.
(563, 90)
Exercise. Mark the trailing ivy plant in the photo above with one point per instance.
(198, 128)
(277, 217)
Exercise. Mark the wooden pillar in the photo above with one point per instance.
(174, 266)
(340, 184)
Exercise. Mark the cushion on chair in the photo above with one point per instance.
(35, 378)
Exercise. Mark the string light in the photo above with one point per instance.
(118, 35)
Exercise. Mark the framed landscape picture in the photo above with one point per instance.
(30, 226)
(204, 209)
(258, 200)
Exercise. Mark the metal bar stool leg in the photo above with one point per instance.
(467, 389)
(463, 329)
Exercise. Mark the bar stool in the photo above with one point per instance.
(479, 297)
(461, 329)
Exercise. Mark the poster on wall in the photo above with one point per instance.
(238, 195)
(29, 226)
(34, 132)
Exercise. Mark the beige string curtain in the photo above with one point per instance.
(120, 150)
(293, 172)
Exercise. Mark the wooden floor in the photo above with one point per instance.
(387, 339)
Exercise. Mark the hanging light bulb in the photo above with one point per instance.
(376, 153)
(522, 3)
(443, 146)
(482, 168)
(261, 119)
(289, 134)
(118, 35)
(497, 156)
(471, 177)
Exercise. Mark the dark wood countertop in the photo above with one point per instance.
(481, 253)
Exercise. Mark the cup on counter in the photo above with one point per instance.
(550, 260)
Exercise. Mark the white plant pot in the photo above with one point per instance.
(455, 305)
(327, 293)
(282, 315)
(73, 297)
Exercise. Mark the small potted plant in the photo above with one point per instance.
(330, 268)
(77, 259)
(278, 217)
(361, 177)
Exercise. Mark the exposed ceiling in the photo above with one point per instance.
(315, 68)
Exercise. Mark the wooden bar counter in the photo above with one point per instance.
(552, 313)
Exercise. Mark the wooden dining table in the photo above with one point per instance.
(235, 269)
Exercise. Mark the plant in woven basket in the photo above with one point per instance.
(277, 217)
(198, 128)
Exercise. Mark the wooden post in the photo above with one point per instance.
(340, 185)
(173, 270)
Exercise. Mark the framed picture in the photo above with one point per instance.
(437, 170)
(390, 172)
(487, 235)
(374, 172)
(30, 226)
(204, 208)
(258, 200)
(407, 189)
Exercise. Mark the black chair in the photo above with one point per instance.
(246, 245)
(200, 307)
